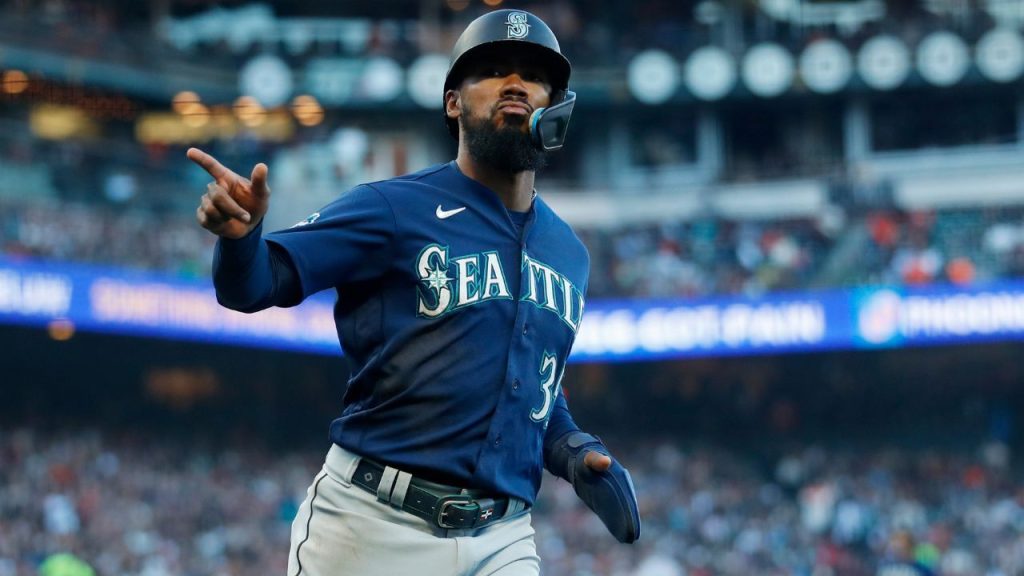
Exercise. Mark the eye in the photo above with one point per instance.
(535, 76)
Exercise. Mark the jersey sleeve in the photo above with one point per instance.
(249, 275)
(349, 240)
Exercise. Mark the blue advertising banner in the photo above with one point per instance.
(134, 303)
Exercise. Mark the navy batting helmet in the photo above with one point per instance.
(527, 33)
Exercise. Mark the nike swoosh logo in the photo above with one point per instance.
(442, 214)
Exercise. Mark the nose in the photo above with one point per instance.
(514, 86)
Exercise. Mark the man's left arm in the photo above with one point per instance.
(600, 481)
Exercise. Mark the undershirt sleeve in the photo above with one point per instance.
(249, 275)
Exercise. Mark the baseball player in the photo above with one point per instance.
(460, 293)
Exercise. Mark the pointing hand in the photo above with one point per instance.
(232, 205)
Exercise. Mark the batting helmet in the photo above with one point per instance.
(527, 33)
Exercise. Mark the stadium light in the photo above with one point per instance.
(382, 79)
(767, 69)
(710, 73)
(268, 79)
(195, 115)
(183, 99)
(307, 110)
(425, 79)
(15, 82)
(249, 111)
(653, 76)
(1000, 55)
(61, 329)
(826, 66)
(942, 58)
(883, 62)
(60, 122)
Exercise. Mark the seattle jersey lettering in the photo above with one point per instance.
(480, 277)
(552, 291)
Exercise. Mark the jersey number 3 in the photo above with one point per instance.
(551, 380)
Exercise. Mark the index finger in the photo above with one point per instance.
(207, 162)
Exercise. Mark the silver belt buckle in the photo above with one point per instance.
(442, 510)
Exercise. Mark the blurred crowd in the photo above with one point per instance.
(812, 511)
(704, 257)
(82, 233)
(892, 247)
(148, 505)
(956, 246)
(145, 507)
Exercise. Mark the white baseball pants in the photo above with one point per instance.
(343, 530)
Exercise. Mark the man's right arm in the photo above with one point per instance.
(248, 274)
(349, 240)
(251, 274)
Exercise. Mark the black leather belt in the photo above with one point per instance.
(443, 506)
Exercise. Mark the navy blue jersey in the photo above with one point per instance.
(457, 326)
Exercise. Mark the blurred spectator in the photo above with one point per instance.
(706, 257)
(155, 505)
(140, 239)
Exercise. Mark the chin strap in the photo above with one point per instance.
(549, 125)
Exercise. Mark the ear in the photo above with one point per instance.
(451, 104)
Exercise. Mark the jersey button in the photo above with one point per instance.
(515, 384)
(497, 440)
(525, 329)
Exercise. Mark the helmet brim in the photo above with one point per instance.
(556, 65)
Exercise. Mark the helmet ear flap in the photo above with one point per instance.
(548, 126)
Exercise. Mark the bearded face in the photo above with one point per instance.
(500, 139)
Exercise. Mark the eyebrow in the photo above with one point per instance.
(522, 65)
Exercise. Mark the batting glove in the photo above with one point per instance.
(609, 493)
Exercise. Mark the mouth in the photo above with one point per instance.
(515, 107)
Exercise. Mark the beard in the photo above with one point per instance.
(507, 148)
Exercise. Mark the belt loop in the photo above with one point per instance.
(515, 506)
(401, 488)
(342, 462)
(387, 480)
(350, 470)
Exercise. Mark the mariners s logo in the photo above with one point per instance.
(477, 278)
(517, 25)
